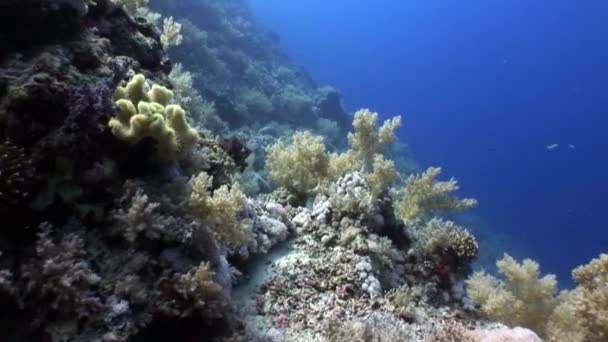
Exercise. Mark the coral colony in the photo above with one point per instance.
(174, 176)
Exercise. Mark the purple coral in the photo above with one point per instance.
(17, 175)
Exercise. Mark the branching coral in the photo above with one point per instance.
(367, 145)
(140, 215)
(423, 194)
(199, 283)
(171, 35)
(62, 276)
(366, 141)
(219, 209)
(383, 175)
(300, 166)
(521, 299)
(304, 165)
(591, 300)
(564, 324)
(149, 114)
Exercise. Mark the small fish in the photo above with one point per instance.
(552, 146)
(571, 146)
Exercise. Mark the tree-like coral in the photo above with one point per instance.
(305, 164)
(366, 141)
(423, 194)
(383, 175)
(300, 166)
(199, 283)
(149, 114)
(521, 299)
(564, 325)
(171, 35)
(219, 209)
(591, 301)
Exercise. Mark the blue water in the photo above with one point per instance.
(484, 87)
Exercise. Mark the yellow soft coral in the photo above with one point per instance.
(367, 141)
(382, 176)
(304, 166)
(521, 299)
(591, 303)
(171, 35)
(148, 114)
(300, 166)
(219, 210)
(564, 325)
(423, 194)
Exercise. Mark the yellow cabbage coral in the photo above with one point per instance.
(148, 114)
(423, 194)
(219, 210)
(521, 299)
(300, 166)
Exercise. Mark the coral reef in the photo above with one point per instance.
(128, 220)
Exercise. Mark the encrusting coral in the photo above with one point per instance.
(149, 114)
(423, 194)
